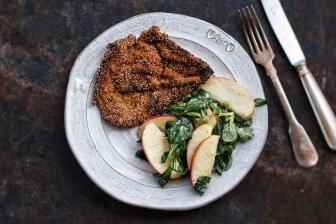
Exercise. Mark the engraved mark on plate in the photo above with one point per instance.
(218, 39)
(81, 85)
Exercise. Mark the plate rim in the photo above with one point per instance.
(97, 183)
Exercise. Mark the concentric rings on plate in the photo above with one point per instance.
(106, 154)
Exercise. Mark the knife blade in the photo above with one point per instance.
(285, 35)
(283, 31)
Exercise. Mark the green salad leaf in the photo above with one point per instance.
(164, 177)
(231, 129)
(245, 133)
(194, 111)
(259, 102)
(141, 154)
(229, 132)
(178, 133)
(242, 123)
(177, 109)
(194, 106)
(164, 156)
(202, 184)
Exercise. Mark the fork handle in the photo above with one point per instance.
(304, 150)
(323, 112)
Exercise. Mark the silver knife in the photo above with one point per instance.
(285, 34)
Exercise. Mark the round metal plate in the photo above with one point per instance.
(107, 154)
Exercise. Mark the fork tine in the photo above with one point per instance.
(252, 36)
(256, 31)
(245, 32)
(260, 28)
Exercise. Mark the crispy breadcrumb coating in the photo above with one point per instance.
(140, 78)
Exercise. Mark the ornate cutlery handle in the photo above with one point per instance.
(304, 150)
(323, 112)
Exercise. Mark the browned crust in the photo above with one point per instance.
(139, 78)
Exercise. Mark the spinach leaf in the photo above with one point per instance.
(242, 123)
(179, 166)
(259, 102)
(164, 177)
(202, 184)
(215, 107)
(196, 104)
(141, 154)
(230, 127)
(178, 133)
(245, 133)
(229, 132)
(228, 117)
(204, 119)
(200, 93)
(177, 109)
(223, 160)
(227, 129)
(217, 130)
(218, 109)
(194, 114)
(164, 156)
(223, 163)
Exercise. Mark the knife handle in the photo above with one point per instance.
(323, 112)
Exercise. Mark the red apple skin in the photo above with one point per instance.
(189, 165)
(195, 153)
(153, 119)
(173, 176)
(192, 160)
(197, 148)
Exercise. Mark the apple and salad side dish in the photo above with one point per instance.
(197, 136)
(141, 77)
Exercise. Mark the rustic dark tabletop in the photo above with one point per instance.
(40, 180)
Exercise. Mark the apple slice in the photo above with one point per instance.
(212, 121)
(198, 136)
(231, 95)
(160, 121)
(154, 144)
(204, 158)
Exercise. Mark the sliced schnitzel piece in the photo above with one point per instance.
(140, 78)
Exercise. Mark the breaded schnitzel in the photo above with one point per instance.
(139, 78)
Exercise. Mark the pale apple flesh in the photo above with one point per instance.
(198, 136)
(213, 121)
(231, 95)
(154, 144)
(160, 121)
(204, 158)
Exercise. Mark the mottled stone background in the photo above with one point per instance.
(40, 181)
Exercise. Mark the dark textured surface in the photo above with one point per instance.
(40, 181)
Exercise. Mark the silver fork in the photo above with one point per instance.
(262, 53)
